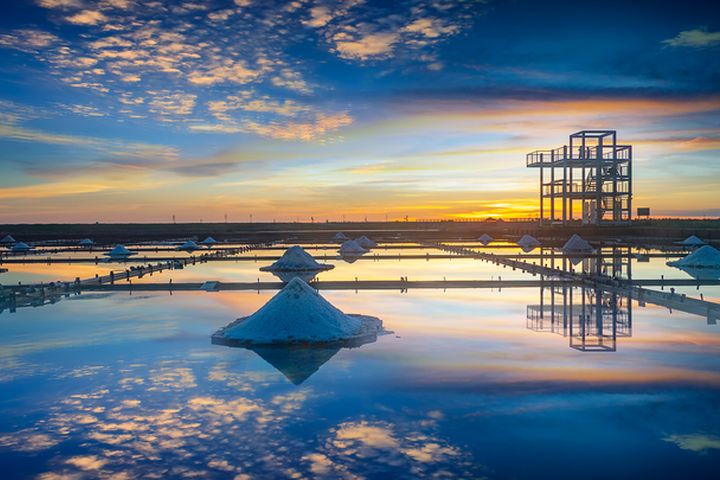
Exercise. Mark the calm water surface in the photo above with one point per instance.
(470, 385)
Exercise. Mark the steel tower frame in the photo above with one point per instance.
(604, 188)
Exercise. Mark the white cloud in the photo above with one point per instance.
(696, 38)
(373, 45)
(87, 17)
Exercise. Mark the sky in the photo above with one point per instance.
(312, 110)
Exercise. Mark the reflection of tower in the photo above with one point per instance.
(590, 317)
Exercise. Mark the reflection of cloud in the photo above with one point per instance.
(696, 38)
(696, 442)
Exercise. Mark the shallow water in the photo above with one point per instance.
(471, 384)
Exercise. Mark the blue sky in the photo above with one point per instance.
(129, 110)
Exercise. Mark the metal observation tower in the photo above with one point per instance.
(592, 170)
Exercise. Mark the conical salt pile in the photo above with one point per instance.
(119, 252)
(485, 239)
(528, 241)
(7, 239)
(351, 247)
(577, 244)
(298, 315)
(189, 246)
(296, 258)
(703, 257)
(366, 243)
(20, 247)
(693, 241)
(86, 242)
(340, 237)
(209, 241)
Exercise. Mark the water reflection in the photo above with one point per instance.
(591, 318)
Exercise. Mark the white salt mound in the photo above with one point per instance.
(351, 247)
(296, 258)
(86, 242)
(189, 245)
(703, 257)
(528, 241)
(366, 243)
(340, 237)
(693, 241)
(7, 239)
(298, 314)
(20, 247)
(485, 239)
(576, 244)
(209, 241)
(119, 251)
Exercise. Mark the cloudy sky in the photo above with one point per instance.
(136, 110)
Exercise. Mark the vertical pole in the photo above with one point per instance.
(552, 187)
(598, 183)
(542, 198)
(630, 183)
(570, 196)
(564, 191)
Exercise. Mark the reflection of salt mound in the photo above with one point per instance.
(20, 247)
(296, 258)
(351, 247)
(119, 252)
(703, 273)
(485, 239)
(577, 244)
(340, 237)
(298, 315)
(528, 241)
(188, 246)
(366, 243)
(7, 240)
(703, 257)
(305, 275)
(297, 362)
(693, 241)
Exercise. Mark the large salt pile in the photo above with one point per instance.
(485, 239)
(20, 247)
(119, 252)
(340, 238)
(577, 244)
(351, 247)
(693, 241)
(188, 246)
(703, 257)
(366, 243)
(298, 315)
(296, 258)
(7, 240)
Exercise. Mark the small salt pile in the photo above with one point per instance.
(296, 258)
(119, 252)
(485, 239)
(86, 242)
(340, 238)
(20, 247)
(704, 257)
(693, 241)
(577, 244)
(351, 247)
(298, 315)
(528, 243)
(7, 240)
(366, 243)
(209, 242)
(188, 246)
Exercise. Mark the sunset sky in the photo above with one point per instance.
(135, 110)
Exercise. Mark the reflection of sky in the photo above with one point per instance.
(117, 383)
